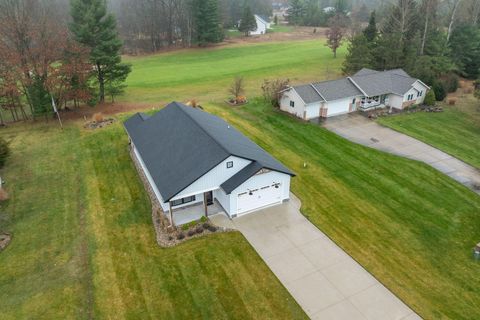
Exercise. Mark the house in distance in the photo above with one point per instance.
(363, 91)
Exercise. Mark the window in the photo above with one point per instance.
(410, 97)
(292, 104)
(183, 201)
(354, 100)
(230, 164)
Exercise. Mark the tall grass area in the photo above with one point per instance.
(411, 226)
(206, 74)
(455, 131)
(84, 247)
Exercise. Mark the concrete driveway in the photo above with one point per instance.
(325, 281)
(361, 130)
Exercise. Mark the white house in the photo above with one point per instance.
(365, 90)
(192, 158)
(263, 25)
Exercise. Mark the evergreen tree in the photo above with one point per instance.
(39, 97)
(248, 22)
(93, 27)
(359, 55)
(275, 20)
(296, 12)
(465, 47)
(370, 31)
(208, 28)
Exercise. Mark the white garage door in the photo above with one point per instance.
(258, 198)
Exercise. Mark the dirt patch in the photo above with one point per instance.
(5, 239)
(297, 33)
(99, 124)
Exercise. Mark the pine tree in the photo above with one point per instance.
(370, 31)
(207, 22)
(296, 12)
(359, 55)
(248, 23)
(93, 27)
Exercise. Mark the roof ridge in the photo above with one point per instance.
(321, 96)
(179, 106)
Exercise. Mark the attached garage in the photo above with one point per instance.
(258, 198)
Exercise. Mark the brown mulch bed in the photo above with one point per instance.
(99, 124)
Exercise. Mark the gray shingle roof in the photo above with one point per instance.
(371, 82)
(179, 144)
(377, 83)
(337, 89)
(308, 93)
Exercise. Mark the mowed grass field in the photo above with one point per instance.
(455, 131)
(206, 74)
(409, 225)
(84, 244)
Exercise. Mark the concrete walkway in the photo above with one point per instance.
(361, 130)
(326, 282)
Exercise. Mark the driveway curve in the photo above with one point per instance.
(325, 281)
(362, 130)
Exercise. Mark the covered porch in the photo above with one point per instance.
(185, 214)
(368, 103)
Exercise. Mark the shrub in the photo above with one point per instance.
(212, 228)
(4, 152)
(440, 92)
(452, 101)
(185, 227)
(272, 90)
(199, 229)
(191, 232)
(203, 219)
(237, 88)
(98, 117)
(468, 90)
(450, 82)
(3, 195)
(430, 98)
(206, 225)
(180, 236)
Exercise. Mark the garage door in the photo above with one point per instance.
(258, 198)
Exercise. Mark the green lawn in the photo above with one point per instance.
(411, 226)
(206, 74)
(455, 131)
(84, 243)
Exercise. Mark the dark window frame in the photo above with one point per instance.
(229, 164)
(292, 103)
(185, 200)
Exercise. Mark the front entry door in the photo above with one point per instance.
(209, 198)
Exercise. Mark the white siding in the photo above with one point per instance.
(420, 88)
(337, 107)
(259, 181)
(223, 198)
(214, 178)
(395, 101)
(261, 27)
(312, 111)
(299, 105)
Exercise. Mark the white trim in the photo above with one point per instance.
(358, 87)
(321, 95)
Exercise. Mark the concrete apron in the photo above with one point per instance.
(361, 130)
(325, 281)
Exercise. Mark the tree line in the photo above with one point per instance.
(152, 25)
(49, 59)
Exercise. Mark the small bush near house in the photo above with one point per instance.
(199, 229)
(4, 152)
(180, 236)
(272, 90)
(440, 92)
(185, 227)
(203, 219)
(430, 98)
(191, 233)
(212, 228)
(450, 82)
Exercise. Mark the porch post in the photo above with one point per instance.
(205, 203)
(171, 214)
